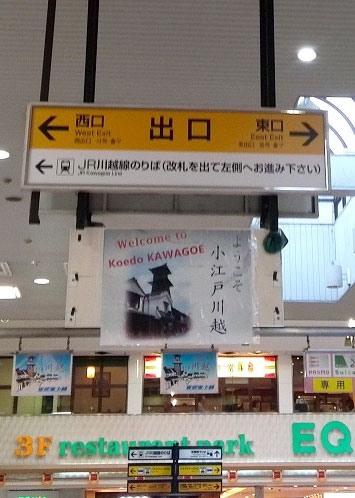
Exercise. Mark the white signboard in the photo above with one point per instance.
(150, 454)
(176, 288)
(200, 453)
(318, 364)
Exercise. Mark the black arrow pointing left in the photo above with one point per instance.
(40, 166)
(310, 133)
(46, 126)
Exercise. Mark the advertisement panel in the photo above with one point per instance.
(189, 373)
(41, 374)
(176, 288)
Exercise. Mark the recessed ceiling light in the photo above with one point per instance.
(306, 54)
(9, 292)
(41, 281)
(4, 154)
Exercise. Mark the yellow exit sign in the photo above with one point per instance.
(200, 486)
(200, 470)
(107, 148)
(149, 487)
(149, 470)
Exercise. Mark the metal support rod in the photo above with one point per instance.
(44, 92)
(83, 215)
(269, 204)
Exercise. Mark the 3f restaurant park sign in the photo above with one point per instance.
(115, 149)
(246, 440)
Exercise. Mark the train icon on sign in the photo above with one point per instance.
(65, 167)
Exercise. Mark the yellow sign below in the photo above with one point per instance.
(149, 487)
(200, 470)
(199, 486)
(333, 385)
(149, 470)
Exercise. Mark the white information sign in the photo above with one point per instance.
(210, 453)
(150, 454)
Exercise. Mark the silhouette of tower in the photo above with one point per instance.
(160, 281)
(177, 364)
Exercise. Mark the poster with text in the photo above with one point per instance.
(189, 373)
(176, 288)
(41, 374)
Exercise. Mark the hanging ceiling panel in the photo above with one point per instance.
(201, 54)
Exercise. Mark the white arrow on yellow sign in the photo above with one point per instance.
(200, 486)
(105, 148)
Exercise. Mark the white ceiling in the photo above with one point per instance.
(201, 53)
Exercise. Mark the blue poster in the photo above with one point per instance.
(42, 374)
(189, 373)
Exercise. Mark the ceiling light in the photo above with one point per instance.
(9, 292)
(306, 54)
(4, 154)
(41, 281)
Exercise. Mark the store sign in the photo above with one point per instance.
(329, 372)
(105, 148)
(41, 374)
(56, 441)
(189, 373)
(227, 367)
(176, 288)
(246, 367)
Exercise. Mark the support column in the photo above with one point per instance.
(284, 383)
(259, 492)
(135, 384)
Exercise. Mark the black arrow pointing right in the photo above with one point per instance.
(45, 128)
(40, 166)
(311, 133)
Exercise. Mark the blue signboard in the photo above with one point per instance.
(189, 373)
(42, 374)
